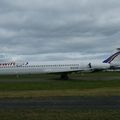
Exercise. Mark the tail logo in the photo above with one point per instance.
(111, 58)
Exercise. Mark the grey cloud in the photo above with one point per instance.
(59, 26)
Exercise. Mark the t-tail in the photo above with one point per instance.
(114, 60)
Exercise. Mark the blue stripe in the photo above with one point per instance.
(111, 58)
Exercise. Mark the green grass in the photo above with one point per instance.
(51, 81)
(48, 85)
(50, 94)
(55, 114)
(58, 85)
(101, 83)
(78, 76)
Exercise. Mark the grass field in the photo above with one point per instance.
(58, 85)
(55, 114)
(48, 85)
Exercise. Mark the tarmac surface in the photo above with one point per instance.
(112, 102)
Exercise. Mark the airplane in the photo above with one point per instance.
(61, 67)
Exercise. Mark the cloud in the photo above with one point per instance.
(59, 26)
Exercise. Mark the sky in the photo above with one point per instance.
(59, 29)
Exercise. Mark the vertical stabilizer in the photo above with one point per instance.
(115, 58)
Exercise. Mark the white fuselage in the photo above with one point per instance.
(48, 67)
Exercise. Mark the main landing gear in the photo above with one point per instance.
(64, 76)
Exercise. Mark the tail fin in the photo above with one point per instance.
(113, 58)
